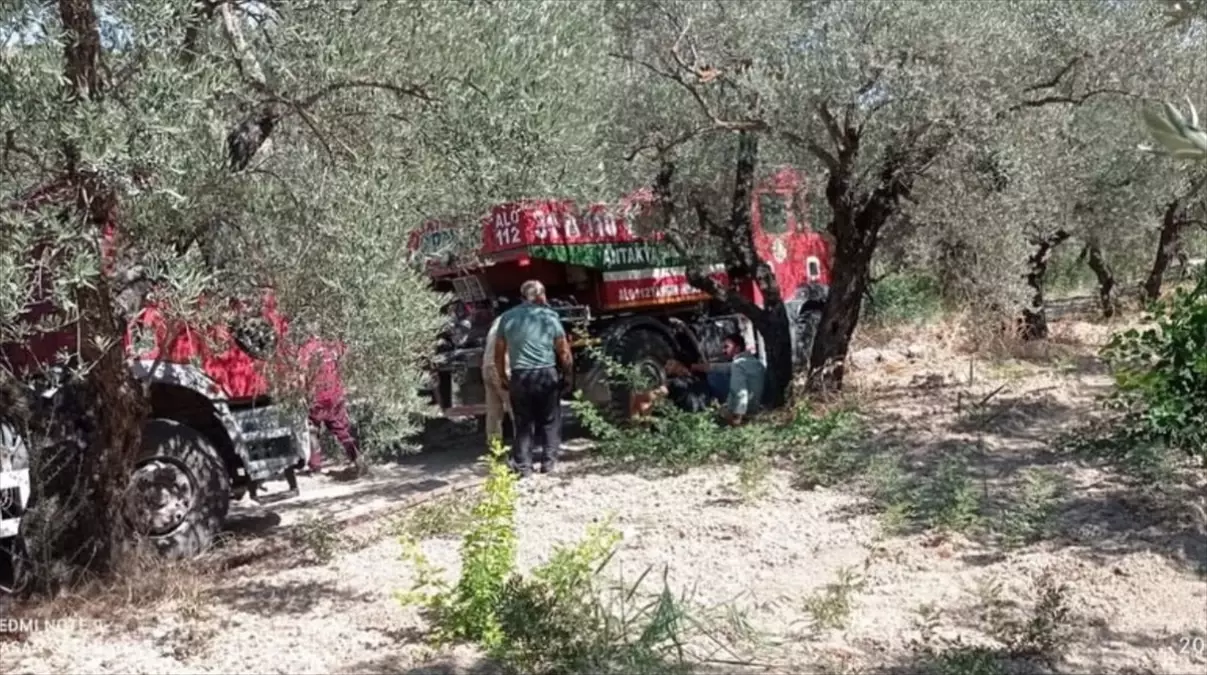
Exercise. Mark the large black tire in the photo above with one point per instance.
(179, 450)
(649, 351)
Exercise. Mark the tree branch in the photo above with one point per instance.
(418, 91)
(1060, 74)
(1062, 99)
(245, 61)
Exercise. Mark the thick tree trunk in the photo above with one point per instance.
(1106, 278)
(114, 443)
(1035, 317)
(858, 220)
(772, 323)
(852, 269)
(1169, 244)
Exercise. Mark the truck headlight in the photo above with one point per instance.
(14, 453)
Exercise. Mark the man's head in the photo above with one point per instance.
(734, 344)
(533, 291)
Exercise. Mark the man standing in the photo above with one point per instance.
(328, 405)
(742, 386)
(531, 337)
(498, 403)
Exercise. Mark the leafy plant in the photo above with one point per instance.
(753, 471)
(831, 607)
(1161, 377)
(1179, 137)
(823, 447)
(1042, 633)
(319, 536)
(1031, 517)
(469, 611)
(556, 619)
(902, 298)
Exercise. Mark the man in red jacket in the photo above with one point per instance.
(329, 405)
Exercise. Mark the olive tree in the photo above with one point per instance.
(894, 104)
(236, 146)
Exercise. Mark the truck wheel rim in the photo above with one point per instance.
(652, 373)
(161, 494)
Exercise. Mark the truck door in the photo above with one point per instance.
(777, 241)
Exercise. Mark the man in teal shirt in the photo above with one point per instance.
(742, 387)
(532, 339)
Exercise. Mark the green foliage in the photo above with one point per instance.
(753, 471)
(557, 618)
(1161, 379)
(830, 607)
(1040, 633)
(1180, 137)
(825, 449)
(1043, 631)
(319, 536)
(951, 501)
(676, 439)
(945, 498)
(469, 611)
(902, 298)
(1031, 517)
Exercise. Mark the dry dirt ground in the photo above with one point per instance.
(1133, 561)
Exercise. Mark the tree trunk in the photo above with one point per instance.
(770, 320)
(1169, 244)
(113, 447)
(858, 220)
(849, 284)
(1035, 317)
(1106, 278)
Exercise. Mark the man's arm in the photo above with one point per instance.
(561, 345)
(565, 358)
(501, 360)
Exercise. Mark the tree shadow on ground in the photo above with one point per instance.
(268, 598)
(1112, 651)
(998, 465)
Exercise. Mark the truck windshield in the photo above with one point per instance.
(774, 213)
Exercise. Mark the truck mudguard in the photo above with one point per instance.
(194, 379)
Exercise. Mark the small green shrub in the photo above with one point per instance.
(1041, 633)
(946, 498)
(469, 611)
(831, 607)
(753, 471)
(1161, 375)
(556, 619)
(1032, 516)
(319, 536)
(825, 449)
(951, 501)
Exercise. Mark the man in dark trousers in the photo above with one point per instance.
(532, 339)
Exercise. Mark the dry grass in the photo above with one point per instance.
(143, 581)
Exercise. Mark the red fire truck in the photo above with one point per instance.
(625, 294)
(215, 430)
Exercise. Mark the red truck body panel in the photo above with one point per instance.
(541, 238)
(236, 374)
